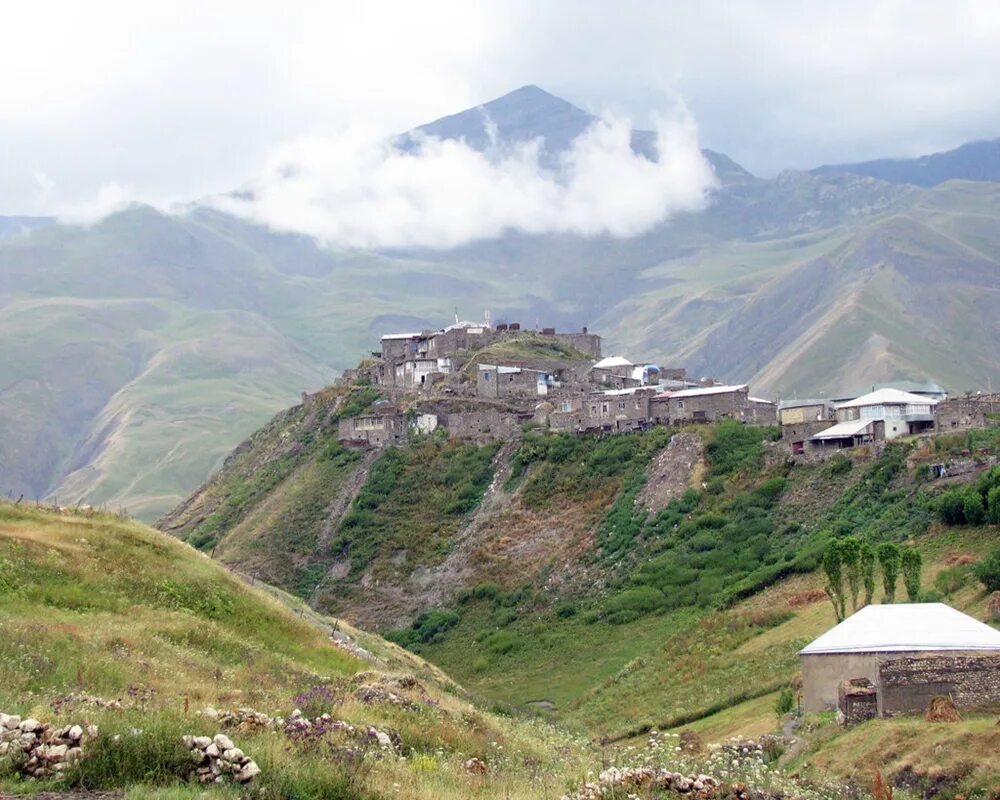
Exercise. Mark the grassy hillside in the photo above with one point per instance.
(93, 608)
(106, 622)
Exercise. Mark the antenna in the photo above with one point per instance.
(456, 315)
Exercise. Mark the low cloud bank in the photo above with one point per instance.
(353, 191)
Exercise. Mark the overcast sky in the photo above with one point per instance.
(173, 101)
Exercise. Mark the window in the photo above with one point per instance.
(680, 405)
(621, 405)
(486, 377)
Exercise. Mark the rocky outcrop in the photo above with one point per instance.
(39, 749)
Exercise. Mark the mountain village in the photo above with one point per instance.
(487, 383)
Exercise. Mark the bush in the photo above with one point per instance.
(632, 604)
(973, 508)
(951, 507)
(950, 580)
(566, 610)
(993, 505)
(988, 572)
(912, 564)
(785, 702)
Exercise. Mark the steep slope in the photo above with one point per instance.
(546, 575)
(975, 161)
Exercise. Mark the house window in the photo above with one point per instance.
(621, 405)
(486, 376)
(680, 405)
(604, 408)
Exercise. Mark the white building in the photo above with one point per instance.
(902, 412)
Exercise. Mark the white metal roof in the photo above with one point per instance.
(612, 361)
(402, 336)
(500, 369)
(703, 390)
(888, 397)
(803, 403)
(906, 627)
(753, 399)
(844, 429)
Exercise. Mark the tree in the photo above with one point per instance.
(888, 559)
(850, 556)
(951, 507)
(833, 566)
(988, 571)
(866, 562)
(911, 563)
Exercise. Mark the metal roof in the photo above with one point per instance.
(804, 403)
(889, 397)
(703, 390)
(844, 429)
(612, 361)
(906, 627)
(402, 336)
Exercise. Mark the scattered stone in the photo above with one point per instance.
(647, 779)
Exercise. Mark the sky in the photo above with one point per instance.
(104, 102)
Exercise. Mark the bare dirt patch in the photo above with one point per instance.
(669, 474)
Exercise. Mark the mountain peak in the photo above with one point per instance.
(529, 113)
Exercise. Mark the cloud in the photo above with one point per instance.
(355, 191)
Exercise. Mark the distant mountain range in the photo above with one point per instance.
(138, 351)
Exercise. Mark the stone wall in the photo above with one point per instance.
(857, 701)
(482, 426)
(907, 685)
(960, 413)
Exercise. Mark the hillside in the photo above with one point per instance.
(107, 623)
(128, 340)
(573, 575)
(975, 161)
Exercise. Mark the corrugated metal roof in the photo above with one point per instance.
(612, 361)
(906, 627)
(402, 336)
(844, 429)
(890, 397)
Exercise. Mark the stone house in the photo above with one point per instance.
(614, 371)
(497, 381)
(902, 412)
(374, 430)
(794, 412)
(704, 404)
(909, 653)
(845, 435)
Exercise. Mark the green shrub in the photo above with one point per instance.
(889, 560)
(633, 603)
(565, 610)
(951, 507)
(502, 642)
(973, 508)
(430, 627)
(952, 579)
(785, 702)
(988, 571)
(993, 506)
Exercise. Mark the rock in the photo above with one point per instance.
(223, 742)
(201, 742)
(212, 751)
(188, 741)
(30, 725)
(249, 771)
(75, 733)
(56, 752)
(233, 754)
